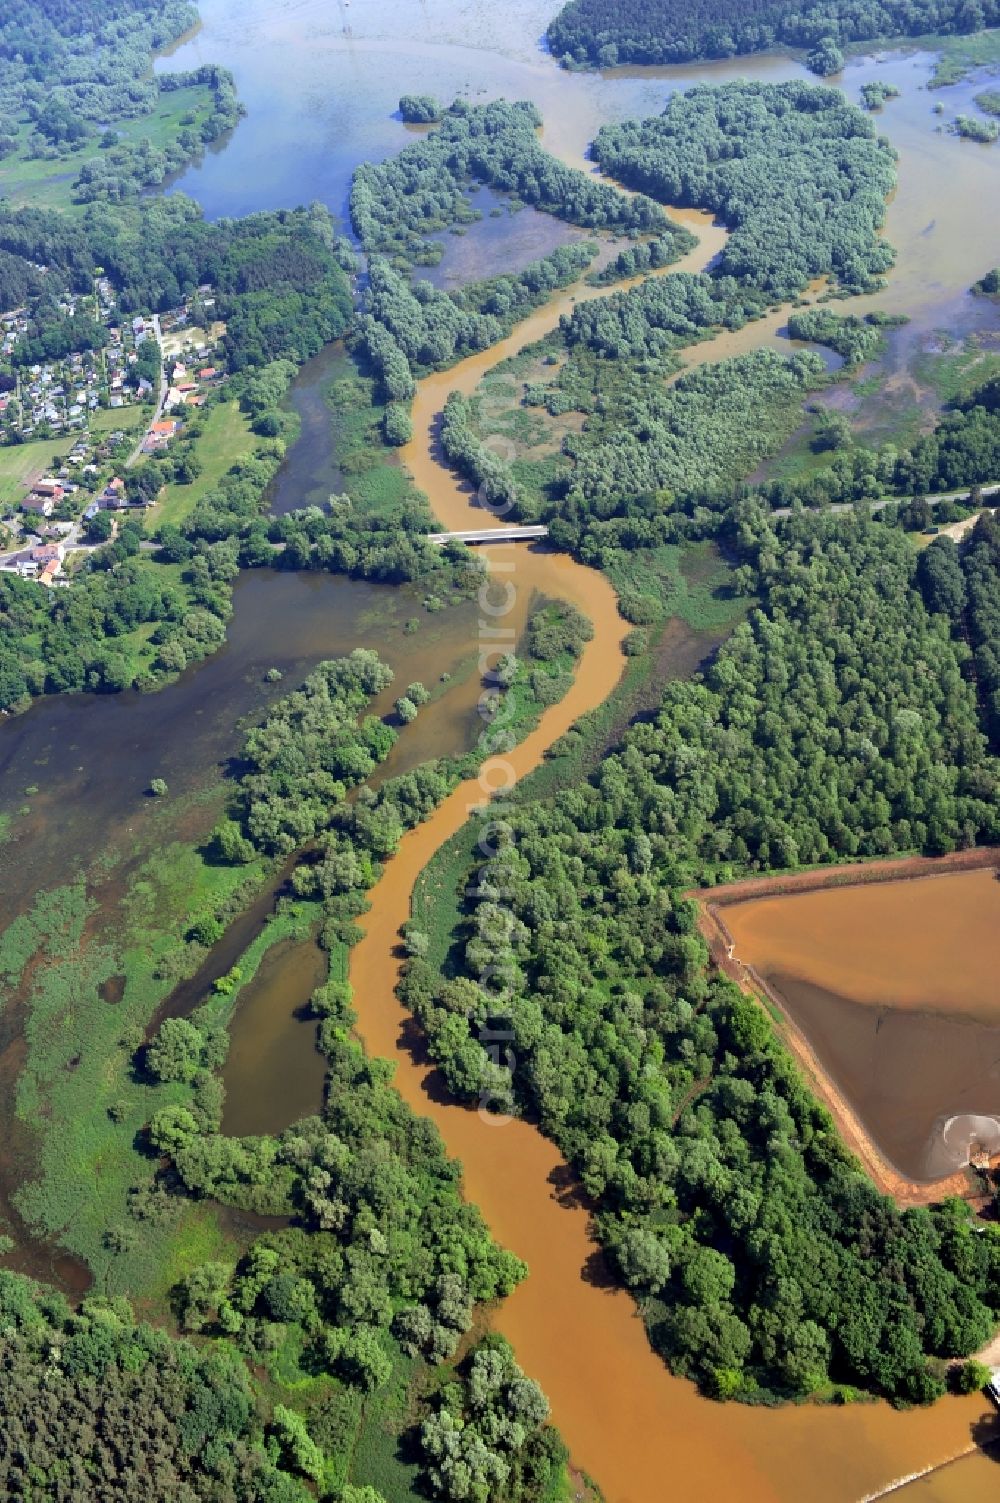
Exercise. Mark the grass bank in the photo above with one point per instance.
(226, 438)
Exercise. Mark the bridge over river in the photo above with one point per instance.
(491, 535)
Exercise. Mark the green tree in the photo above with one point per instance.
(176, 1051)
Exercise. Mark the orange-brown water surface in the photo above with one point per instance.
(644, 1435)
(321, 82)
(894, 984)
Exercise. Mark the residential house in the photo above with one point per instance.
(46, 553)
(32, 562)
(112, 498)
(42, 506)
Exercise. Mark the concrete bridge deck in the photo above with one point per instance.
(491, 535)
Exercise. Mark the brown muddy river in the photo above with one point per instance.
(642, 1433)
(895, 986)
(321, 83)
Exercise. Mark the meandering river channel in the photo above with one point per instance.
(321, 81)
(643, 1434)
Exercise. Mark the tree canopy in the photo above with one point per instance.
(762, 1257)
(97, 1406)
(398, 204)
(607, 32)
(798, 173)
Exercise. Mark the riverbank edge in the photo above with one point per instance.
(854, 1134)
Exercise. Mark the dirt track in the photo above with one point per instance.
(713, 929)
(900, 870)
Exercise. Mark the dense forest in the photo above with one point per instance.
(798, 174)
(713, 425)
(52, 334)
(659, 316)
(981, 567)
(311, 750)
(70, 62)
(961, 452)
(280, 286)
(607, 32)
(72, 73)
(964, 586)
(488, 1437)
(764, 1261)
(98, 1407)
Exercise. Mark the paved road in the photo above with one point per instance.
(985, 490)
(161, 396)
(72, 541)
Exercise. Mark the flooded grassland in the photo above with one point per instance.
(321, 84)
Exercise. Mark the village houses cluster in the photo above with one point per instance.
(47, 398)
(43, 543)
(60, 396)
(54, 396)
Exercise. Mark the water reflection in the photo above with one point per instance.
(91, 757)
(274, 1074)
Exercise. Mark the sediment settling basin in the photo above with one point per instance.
(882, 977)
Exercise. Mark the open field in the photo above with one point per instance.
(22, 464)
(174, 342)
(227, 438)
